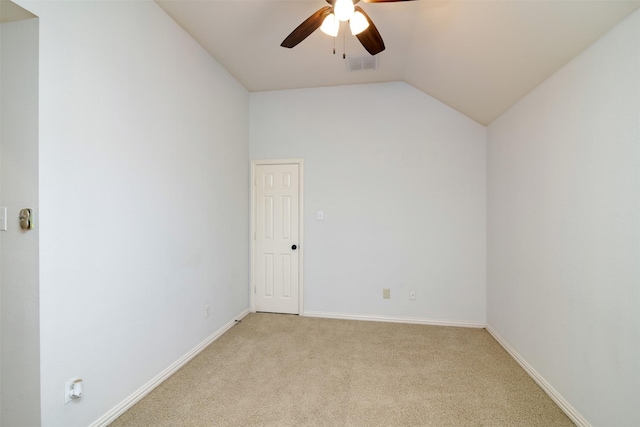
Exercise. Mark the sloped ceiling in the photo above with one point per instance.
(10, 12)
(477, 56)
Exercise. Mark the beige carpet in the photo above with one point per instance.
(282, 370)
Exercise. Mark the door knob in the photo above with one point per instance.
(26, 219)
(294, 247)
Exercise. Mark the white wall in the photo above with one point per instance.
(20, 343)
(564, 229)
(143, 199)
(401, 180)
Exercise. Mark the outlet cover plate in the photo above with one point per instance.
(67, 389)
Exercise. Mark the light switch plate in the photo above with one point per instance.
(3, 219)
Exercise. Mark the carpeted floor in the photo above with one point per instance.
(283, 370)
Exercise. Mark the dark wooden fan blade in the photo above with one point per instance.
(305, 29)
(370, 38)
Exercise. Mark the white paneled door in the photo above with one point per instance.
(276, 238)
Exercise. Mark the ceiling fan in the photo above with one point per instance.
(328, 20)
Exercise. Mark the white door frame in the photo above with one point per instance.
(252, 234)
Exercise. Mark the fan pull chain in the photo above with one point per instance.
(344, 44)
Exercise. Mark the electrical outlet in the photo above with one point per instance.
(68, 386)
(386, 293)
(412, 295)
(206, 310)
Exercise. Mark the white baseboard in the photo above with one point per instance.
(375, 318)
(123, 406)
(553, 394)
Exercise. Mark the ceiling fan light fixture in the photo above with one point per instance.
(358, 23)
(330, 25)
(344, 9)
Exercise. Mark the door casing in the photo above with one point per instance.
(252, 231)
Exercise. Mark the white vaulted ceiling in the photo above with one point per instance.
(10, 12)
(477, 56)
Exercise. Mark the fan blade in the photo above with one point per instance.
(370, 38)
(305, 29)
(383, 1)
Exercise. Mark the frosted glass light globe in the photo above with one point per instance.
(343, 9)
